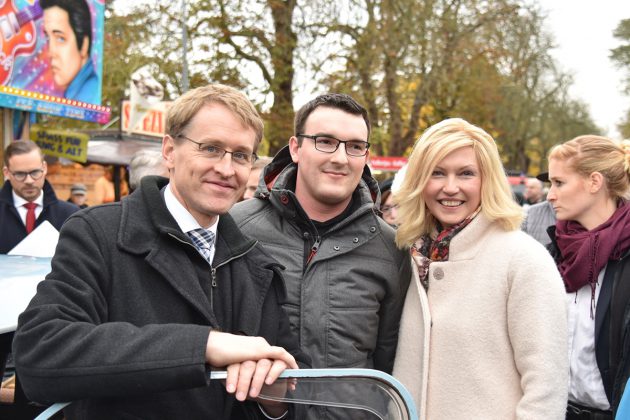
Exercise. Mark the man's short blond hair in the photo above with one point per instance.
(188, 105)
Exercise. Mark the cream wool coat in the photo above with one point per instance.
(490, 339)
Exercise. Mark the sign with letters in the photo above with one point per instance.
(387, 163)
(61, 143)
(153, 123)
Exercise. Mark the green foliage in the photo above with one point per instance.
(246, 44)
(410, 63)
(416, 63)
(621, 56)
(624, 127)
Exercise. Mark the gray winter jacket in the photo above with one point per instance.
(345, 303)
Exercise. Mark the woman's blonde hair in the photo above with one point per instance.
(590, 153)
(497, 203)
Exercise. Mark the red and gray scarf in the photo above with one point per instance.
(586, 252)
(426, 249)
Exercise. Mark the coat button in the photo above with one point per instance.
(284, 199)
(355, 240)
(438, 274)
(372, 229)
(336, 247)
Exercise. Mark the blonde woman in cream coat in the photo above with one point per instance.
(483, 330)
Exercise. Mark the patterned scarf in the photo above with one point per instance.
(426, 249)
(586, 252)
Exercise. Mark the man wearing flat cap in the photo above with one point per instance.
(539, 216)
(78, 195)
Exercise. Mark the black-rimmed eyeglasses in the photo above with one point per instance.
(35, 174)
(215, 152)
(329, 144)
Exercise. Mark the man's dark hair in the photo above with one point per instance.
(79, 16)
(330, 100)
(20, 147)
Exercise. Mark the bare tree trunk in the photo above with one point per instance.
(280, 121)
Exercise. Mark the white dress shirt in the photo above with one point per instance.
(586, 386)
(185, 220)
(19, 202)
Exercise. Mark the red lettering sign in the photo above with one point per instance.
(387, 163)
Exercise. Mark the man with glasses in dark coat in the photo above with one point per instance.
(27, 199)
(148, 295)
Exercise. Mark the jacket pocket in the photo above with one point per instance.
(351, 337)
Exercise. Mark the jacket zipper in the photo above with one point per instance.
(314, 249)
(213, 270)
(213, 276)
(213, 282)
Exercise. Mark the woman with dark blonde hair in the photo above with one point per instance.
(590, 182)
(482, 334)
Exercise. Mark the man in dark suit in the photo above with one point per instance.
(149, 294)
(27, 199)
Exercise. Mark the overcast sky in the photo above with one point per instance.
(583, 31)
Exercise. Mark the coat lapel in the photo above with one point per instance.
(177, 270)
(603, 303)
(148, 229)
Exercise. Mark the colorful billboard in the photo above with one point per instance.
(51, 58)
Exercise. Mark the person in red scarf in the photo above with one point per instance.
(483, 329)
(590, 182)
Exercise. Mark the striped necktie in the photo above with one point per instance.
(203, 241)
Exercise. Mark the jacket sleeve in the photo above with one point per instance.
(389, 314)
(537, 327)
(277, 331)
(525, 225)
(66, 349)
(623, 369)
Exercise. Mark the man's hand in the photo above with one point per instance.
(223, 349)
(247, 379)
(251, 363)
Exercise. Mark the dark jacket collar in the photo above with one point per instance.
(145, 219)
(6, 194)
(278, 183)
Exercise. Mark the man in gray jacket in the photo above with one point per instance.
(539, 217)
(315, 211)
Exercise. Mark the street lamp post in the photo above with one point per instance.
(185, 83)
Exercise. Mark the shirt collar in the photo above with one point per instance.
(19, 201)
(184, 219)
